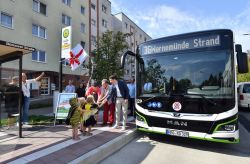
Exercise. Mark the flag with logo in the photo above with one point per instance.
(77, 56)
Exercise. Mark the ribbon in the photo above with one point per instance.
(74, 59)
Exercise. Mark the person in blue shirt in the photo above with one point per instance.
(147, 87)
(131, 100)
(70, 88)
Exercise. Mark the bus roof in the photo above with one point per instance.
(214, 31)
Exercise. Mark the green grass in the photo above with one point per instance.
(41, 120)
(35, 120)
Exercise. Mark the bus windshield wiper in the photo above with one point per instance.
(202, 96)
(154, 97)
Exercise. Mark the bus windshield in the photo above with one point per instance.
(207, 73)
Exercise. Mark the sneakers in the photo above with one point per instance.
(123, 128)
(104, 124)
(115, 127)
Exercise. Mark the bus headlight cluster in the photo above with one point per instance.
(229, 127)
(154, 104)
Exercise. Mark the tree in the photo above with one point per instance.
(107, 57)
(155, 73)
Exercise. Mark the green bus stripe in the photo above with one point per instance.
(224, 123)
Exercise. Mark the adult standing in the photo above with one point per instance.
(147, 87)
(26, 94)
(80, 91)
(70, 88)
(107, 98)
(122, 96)
(94, 90)
(131, 102)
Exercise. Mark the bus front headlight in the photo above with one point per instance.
(228, 127)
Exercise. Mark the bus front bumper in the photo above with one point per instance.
(217, 136)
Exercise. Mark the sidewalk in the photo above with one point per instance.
(54, 144)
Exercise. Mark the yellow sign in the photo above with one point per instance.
(66, 42)
(66, 33)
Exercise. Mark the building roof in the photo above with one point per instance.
(123, 14)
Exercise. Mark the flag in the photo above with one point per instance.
(77, 56)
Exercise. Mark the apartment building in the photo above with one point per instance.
(38, 24)
(123, 23)
(100, 18)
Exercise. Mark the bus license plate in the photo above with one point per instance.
(178, 133)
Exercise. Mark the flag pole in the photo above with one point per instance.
(92, 71)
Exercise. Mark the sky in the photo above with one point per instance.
(160, 18)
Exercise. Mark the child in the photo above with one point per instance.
(88, 116)
(82, 103)
(76, 117)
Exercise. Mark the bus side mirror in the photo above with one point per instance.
(242, 62)
(238, 48)
(242, 59)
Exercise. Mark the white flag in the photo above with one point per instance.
(77, 56)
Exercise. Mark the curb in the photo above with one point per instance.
(107, 149)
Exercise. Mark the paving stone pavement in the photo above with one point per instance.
(54, 144)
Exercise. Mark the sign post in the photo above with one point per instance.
(65, 50)
(63, 106)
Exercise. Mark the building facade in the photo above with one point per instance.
(38, 24)
(136, 36)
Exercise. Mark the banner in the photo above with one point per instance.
(66, 42)
(63, 105)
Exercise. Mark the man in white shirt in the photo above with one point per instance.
(26, 95)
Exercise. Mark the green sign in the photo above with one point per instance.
(63, 105)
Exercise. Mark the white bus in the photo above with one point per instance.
(186, 85)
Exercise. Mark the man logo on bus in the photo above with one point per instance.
(176, 106)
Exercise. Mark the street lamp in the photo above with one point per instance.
(247, 34)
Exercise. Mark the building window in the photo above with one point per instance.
(93, 6)
(39, 56)
(93, 22)
(66, 20)
(82, 28)
(127, 71)
(104, 8)
(39, 31)
(140, 36)
(82, 10)
(67, 2)
(145, 39)
(93, 40)
(83, 44)
(39, 7)
(104, 23)
(6, 20)
(126, 25)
